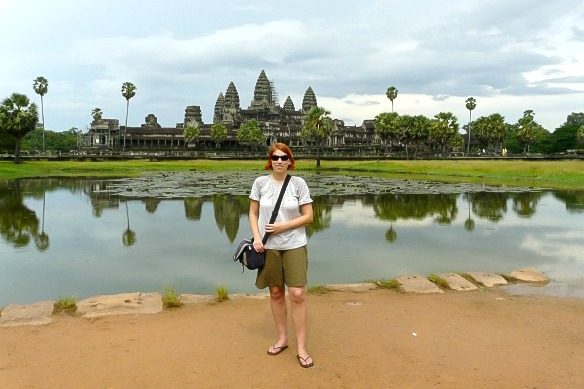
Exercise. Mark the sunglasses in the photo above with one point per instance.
(282, 157)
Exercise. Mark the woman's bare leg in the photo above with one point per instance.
(299, 317)
(280, 313)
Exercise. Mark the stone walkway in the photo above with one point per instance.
(149, 303)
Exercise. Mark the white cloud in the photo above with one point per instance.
(179, 53)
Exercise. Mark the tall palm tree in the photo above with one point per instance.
(470, 104)
(128, 91)
(391, 95)
(41, 87)
(18, 117)
(318, 127)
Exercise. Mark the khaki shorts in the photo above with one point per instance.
(288, 267)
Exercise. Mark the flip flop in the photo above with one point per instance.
(304, 365)
(277, 349)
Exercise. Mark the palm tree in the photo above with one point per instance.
(18, 117)
(41, 87)
(128, 91)
(96, 113)
(525, 134)
(470, 104)
(318, 126)
(218, 134)
(391, 95)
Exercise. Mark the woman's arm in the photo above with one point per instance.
(304, 219)
(254, 214)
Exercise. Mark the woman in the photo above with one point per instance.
(286, 252)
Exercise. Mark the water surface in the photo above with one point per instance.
(78, 237)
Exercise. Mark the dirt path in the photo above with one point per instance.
(357, 340)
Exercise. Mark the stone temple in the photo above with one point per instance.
(278, 123)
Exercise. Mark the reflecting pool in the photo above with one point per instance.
(60, 238)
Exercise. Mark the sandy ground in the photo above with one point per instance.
(358, 340)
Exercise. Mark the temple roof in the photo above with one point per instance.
(309, 100)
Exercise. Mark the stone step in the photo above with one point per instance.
(31, 314)
(457, 282)
(487, 279)
(417, 284)
(120, 304)
(529, 275)
(149, 303)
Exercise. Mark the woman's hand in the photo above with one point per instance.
(276, 228)
(258, 245)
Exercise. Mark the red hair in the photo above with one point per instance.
(284, 148)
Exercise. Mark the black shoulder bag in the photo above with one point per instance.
(245, 253)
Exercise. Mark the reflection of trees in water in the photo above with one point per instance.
(390, 234)
(321, 214)
(228, 210)
(193, 208)
(42, 241)
(469, 223)
(18, 223)
(151, 204)
(573, 199)
(490, 205)
(524, 203)
(129, 236)
(392, 207)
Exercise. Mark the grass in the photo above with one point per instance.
(66, 305)
(221, 294)
(391, 284)
(560, 174)
(441, 282)
(317, 289)
(170, 299)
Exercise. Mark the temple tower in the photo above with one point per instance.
(193, 115)
(309, 100)
(262, 94)
(231, 108)
(218, 112)
(289, 105)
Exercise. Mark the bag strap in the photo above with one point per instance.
(277, 207)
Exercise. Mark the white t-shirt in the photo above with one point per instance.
(266, 192)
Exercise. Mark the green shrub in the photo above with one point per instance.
(221, 294)
(171, 299)
(67, 305)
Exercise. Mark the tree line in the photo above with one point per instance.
(440, 135)
(414, 134)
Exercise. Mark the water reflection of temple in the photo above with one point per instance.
(278, 124)
(21, 225)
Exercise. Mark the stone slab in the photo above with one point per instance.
(31, 314)
(120, 304)
(196, 298)
(417, 284)
(359, 288)
(529, 275)
(457, 282)
(487, 279)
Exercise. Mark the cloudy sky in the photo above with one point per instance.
(510, 55)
